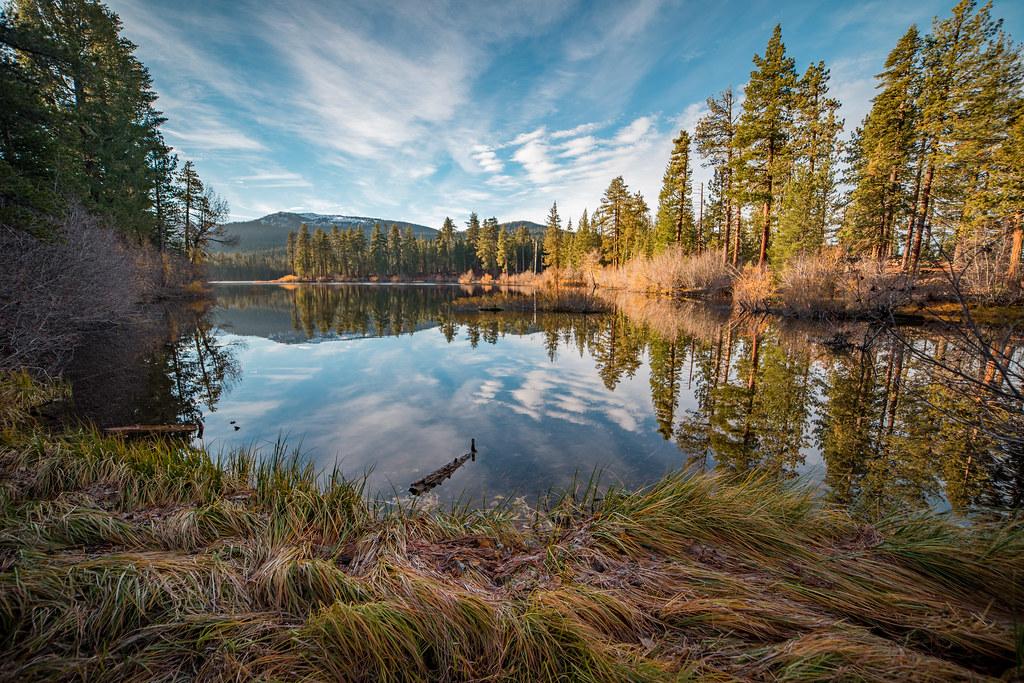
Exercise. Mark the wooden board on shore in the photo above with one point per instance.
(153, 430)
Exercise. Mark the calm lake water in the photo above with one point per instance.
(393, 381)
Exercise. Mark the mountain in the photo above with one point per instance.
(271, 232)
(536, 229)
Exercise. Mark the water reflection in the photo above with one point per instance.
(169, 366)
(394, 379)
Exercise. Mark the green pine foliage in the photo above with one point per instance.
(764, 134)
(554, 256)
(675, 225)
(79, 126)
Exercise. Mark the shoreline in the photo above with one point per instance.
(945, 311)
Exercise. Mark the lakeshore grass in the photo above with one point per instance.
(142, 560)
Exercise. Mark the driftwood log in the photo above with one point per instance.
(155, 430)
(438, 476)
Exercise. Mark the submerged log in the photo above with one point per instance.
(436, 477)
(155, 430)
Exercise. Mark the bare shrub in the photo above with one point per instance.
(982, 267)
(705, 273)
(467, 277)
(752, 289)
(51, 291)
(872, 288)
(825, 284)
(526, 278)
(812, 285)
(673, 272)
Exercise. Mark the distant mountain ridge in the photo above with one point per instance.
(271, 231)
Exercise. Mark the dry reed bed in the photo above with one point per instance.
(144, 561)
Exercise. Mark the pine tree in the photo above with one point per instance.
(102, 101)
(446, 245)
(394, 247)
(675, 203)
(809, 195)
(191, 189)
(321, 253)
(303, 254)
(472, 239)
(378, 248)
(764, 131)
(410, 253)
(958, 117)
(290, 251)
(553, 239)
(1007, 197)
(339, 251)
(882, 153)
(504, 251)
(715, 136)
(610, 218)
(166, 210)
(487, 245)
(361, 260)
(587, 240)
(988, 101)
(637, 228)
(523, 244)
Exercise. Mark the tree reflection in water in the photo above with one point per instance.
(890, 427)
(170, 367)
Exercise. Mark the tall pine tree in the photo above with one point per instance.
(764, 132)
(675, 203)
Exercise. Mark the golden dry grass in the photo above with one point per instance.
(149, 561)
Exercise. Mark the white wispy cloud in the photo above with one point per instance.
(581, 129)
(213, 136)
(271, 180)
(635, 131)
(534, 157)
(577, 146)
(487, 158)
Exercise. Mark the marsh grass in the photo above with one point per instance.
(149, 561)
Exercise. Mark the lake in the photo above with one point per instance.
(393, 381)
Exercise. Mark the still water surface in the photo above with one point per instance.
(394, 381)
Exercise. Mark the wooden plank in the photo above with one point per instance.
(154, 430)
(436, 477)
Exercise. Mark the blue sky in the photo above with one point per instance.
(417, 110)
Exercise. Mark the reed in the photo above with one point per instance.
(151, 561)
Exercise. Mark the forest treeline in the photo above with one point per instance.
(935, 172)
(96, 210)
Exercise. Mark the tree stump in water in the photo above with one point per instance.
(436, 477)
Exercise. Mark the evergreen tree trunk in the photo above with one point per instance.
(888, 213)
(1016, 242)
(922, 217)
(700, 220)
(908, 247)
(728, 226)
(763, 257)
(767, 213)
(679, 219)
(739, 232)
